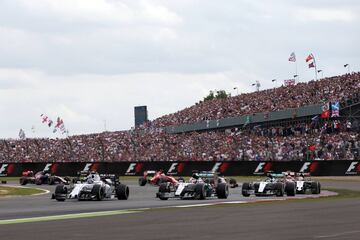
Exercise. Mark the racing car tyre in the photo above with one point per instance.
(60, 192)
(222, 191)
(279, 188)
(142, 181)
(98, 192)
(200, 193)
(315, 188)
(245, 189)
(122, 192)
(23, 181)
(51, 181)
(290, 189)
(163, 188)
(38, 181)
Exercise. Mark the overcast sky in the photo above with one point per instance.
(93, 60)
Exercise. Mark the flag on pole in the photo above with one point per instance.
(22, 134)
(311, 65)
(335, 109)
(311, 61)
(325, 111)
(292, 57)
(309, 58)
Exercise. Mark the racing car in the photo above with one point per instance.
(156, 178)
(200, 186)
(94, 187)
(304, 183)
(274, 184)
(41, 177)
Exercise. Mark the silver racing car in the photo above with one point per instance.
(93, 187)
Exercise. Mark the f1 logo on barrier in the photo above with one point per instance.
(51, 167)
(134, 168)
(176, 168)
(353, 169)
(91, 167)
(6, 169)
(309, 167)
(263, 168)
(220, 167)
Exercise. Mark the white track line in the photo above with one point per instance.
(338, 234)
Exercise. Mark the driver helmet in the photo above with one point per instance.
(195, 176)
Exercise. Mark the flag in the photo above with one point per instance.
(59, 122)
(311, 65)
(335, 109)
(44, 118)
(289, 82)
(50, 123)
(22, 134)
(309, 58)
(292, 57)
(325, 111)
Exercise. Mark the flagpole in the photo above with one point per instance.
(315, 67)
(296, 71)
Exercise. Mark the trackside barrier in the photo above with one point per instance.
(228, 168)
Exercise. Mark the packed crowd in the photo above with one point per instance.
(330, 89)
(306, 141)
(330, 141)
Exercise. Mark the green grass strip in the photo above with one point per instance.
(18, 191)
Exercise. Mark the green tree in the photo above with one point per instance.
(221, 94)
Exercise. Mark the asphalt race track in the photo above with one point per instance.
(324, 219)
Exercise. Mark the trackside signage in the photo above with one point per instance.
(353, 169)
(186, 168)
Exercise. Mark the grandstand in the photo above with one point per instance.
(279, 124)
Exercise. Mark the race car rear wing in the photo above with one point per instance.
(113, 177)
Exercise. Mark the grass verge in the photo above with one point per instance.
(16, 191)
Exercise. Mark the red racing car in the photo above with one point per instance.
(42, 177)
(157, 177)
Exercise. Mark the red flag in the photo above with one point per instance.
(309, 58)
(59, 122)
(325, 114)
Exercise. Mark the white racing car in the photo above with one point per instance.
(200, 186)
(274, 184)
(93, 187)
(304, 183)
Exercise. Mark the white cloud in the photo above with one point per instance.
(325, 15)
(101, 11)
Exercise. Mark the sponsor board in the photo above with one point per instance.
(263, 168)
(186, 168)
(353, 169)
(134, 169)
